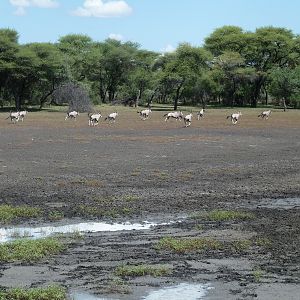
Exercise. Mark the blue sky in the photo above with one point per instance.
(154, 24)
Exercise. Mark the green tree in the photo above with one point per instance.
(182, 68)
(51, 70)
(76, 48)
(109, 65)
(24, 76)
(266, 48)
(284, 84)
(8, 49)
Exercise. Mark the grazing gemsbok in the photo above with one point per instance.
(72, 115)
(94, 119)
(14, 116)
(234, 117)
(177, 115)
(144, 114)
(265, 114)
(22, 114)
(188, 120)
(111, 117)
(200, 114)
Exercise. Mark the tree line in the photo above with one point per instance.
(233, 68)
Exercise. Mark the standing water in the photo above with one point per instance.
(9, 234)
(181, 291)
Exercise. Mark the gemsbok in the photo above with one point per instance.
(177, 115)
(200, 114)
(111, 117)
(145, 114)
(94, 119)
(234, 117)
(14, 116)
(265, 114)
(72, 115)
(188, 120)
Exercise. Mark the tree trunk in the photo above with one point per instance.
(17, 102)
(284, 104)
(138, 98)
(257, 87)
(177, 95)
(44, 98)
(266, 94)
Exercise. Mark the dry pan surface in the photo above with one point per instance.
(153, 170)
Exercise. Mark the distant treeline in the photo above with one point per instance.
(233, 68)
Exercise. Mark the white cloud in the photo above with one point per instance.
(168, 49)
(21, 5)
(101, 9)
(116, 36)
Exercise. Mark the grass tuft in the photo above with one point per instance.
(225, 215)
(142, 270)
(55, 215)
(30, 250)
(117, 286)
(257, 274)
(263, 242)
(241, 245)
(9, 213)
(49, 293)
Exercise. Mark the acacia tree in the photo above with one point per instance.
(182, 68)
(108, 67)
(266, 48)
(140, 77)
(75, 49)
(8, 49)
(51, 70)
(25, 75)
(284, 84)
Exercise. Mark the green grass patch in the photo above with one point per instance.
(30, 250)
(9, 213)
(55, 215)
(103, 199)
(117, 286)
(241, 246)
(142, 270)
(48, 293)
(183, 245)
(130, 198)
(263, 242)
(257, 274)
(186, 245)
(225, 215)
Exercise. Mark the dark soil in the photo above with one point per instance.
(157, 171)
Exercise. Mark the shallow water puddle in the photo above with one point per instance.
(9, 234)
(176, 292)
(85, 296)
(179, 292)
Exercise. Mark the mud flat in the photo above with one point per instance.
(221, 204)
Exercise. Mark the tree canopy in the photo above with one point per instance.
(233, 67)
